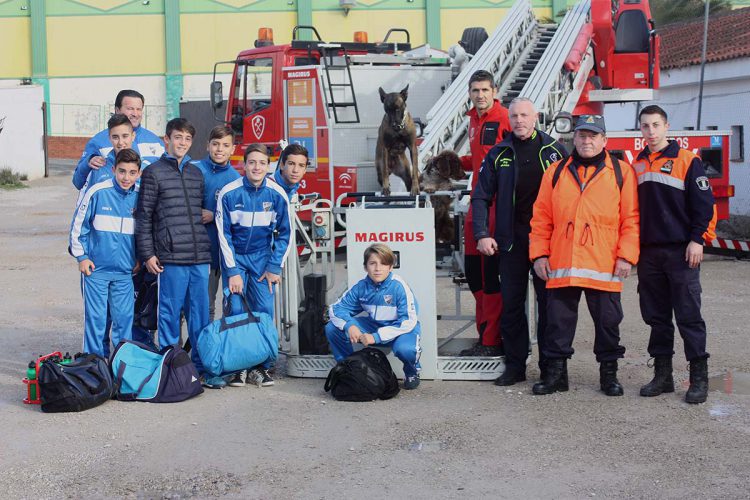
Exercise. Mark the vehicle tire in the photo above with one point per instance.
(472, 39)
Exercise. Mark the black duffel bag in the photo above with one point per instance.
(365, 375)
(77, 386)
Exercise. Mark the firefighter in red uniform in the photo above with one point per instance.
(677, 217)
(488, 124)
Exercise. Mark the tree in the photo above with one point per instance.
(672, 11)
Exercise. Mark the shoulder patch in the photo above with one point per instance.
(702, 183)
(667, 167)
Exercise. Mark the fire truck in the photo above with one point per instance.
(325, 96)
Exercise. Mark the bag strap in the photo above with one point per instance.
(558, 172)
(228, 326)
(118, 384)
(227, 305)
(615, 165)
(333, 377)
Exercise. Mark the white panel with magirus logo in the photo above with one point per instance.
(410, 233)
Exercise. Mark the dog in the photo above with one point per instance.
(396, 134)
(436, 176)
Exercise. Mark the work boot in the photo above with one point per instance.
(662, 381)
(511, 377)
(555, 377)
(543, 370)
(698, 390)
(608, 379)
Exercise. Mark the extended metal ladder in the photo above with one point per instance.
(527, 59)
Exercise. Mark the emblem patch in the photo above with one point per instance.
(267, 205)
(504, 162)
(702, 182)
(553, 157)
(667, 167)
(259, 125)
(388, 299)
(639, 167)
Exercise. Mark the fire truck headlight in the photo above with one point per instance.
(564, 123)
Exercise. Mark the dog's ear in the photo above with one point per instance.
(405, 92)
(444, 168)
(457, 170)
(382, 94)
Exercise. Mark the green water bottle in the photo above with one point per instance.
(67, 359)
(31, 375)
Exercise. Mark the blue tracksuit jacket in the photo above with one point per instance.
(389, 304)
(290, 189)
(216, 177)
(246, 218)
(103, 230)
(146, 143)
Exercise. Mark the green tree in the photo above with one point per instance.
(672, 11)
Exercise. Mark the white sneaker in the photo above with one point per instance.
(238, 379)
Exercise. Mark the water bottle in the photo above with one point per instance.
(67, 359)
(31, 375)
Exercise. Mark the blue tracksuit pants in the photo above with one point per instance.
(104, 298)
(405, 347)
(183, 288)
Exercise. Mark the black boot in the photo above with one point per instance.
(662, 381)
(608, 379)
(555, 377)
(698, 390)
(511, 376)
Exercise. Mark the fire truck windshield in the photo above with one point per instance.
(252, 87)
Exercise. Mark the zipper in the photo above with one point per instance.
(252, 219)
(189, 209)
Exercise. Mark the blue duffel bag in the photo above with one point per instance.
(239, 341)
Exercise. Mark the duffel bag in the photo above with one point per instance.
(237, 342)
(144, 374)
(82, 384)
(364, 375)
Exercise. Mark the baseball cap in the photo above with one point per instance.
(594, 123)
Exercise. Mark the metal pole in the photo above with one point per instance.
(703, 65)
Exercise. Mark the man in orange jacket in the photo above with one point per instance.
(585, 238)
(488, 124)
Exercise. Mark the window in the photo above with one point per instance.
(252, 87)
(737, 143)
(712, 127)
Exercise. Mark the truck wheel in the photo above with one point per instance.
(473, 38)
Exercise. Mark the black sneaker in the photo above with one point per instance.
(267, 380)
(238, 379)
(484, 351)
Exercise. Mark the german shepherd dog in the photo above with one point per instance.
(397, 133)
(436, 176)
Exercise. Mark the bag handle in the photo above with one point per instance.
(333, 377)
(227, 305)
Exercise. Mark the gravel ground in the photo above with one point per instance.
(444, 440)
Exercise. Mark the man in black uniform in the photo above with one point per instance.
(510, 177)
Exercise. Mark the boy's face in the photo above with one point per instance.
(121, 137)
(294, 168)
(256, 167)
(219, 150)
(376, 270)
(132, 107)
(126, 174)
(654, 129)
(178, 143)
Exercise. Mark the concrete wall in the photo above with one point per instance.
(22, 130)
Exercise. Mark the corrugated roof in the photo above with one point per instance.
(728, 38)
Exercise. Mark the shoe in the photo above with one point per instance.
(510, 377)
(662, 381)
(608, 379)
(555, 377)
(238, 379)
(255, 377)
(698, 390)
(213, 382)
(480, 350)
(411, 382)
(267, 379)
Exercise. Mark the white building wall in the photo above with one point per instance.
(726, 103)
(22, 130)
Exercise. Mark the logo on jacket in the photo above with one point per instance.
(259, 125)
(702, 182)
(267, 205)
(388, 299)
(553, 157)
(639, 167)
(504, 162)
(667, 167)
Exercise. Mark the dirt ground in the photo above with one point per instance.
(444, 440)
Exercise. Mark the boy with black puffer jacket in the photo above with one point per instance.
(102, 240)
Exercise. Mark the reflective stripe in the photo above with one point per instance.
(76, 248)
(381, 313)
(391, 332)
(128, 225)
(250, 219)
(150, 149)
(575, 272)
(661, 179)
(112, 224)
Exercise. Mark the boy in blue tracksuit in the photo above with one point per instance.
(149, 146)
(217, 173)
(391, 314)
(102, 240)
(292, 168)
(248, 212)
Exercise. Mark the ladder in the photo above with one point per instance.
(527, 59)
(343, 82)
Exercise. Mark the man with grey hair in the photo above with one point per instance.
(509, 182)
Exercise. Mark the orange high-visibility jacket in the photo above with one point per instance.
(584, 225)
